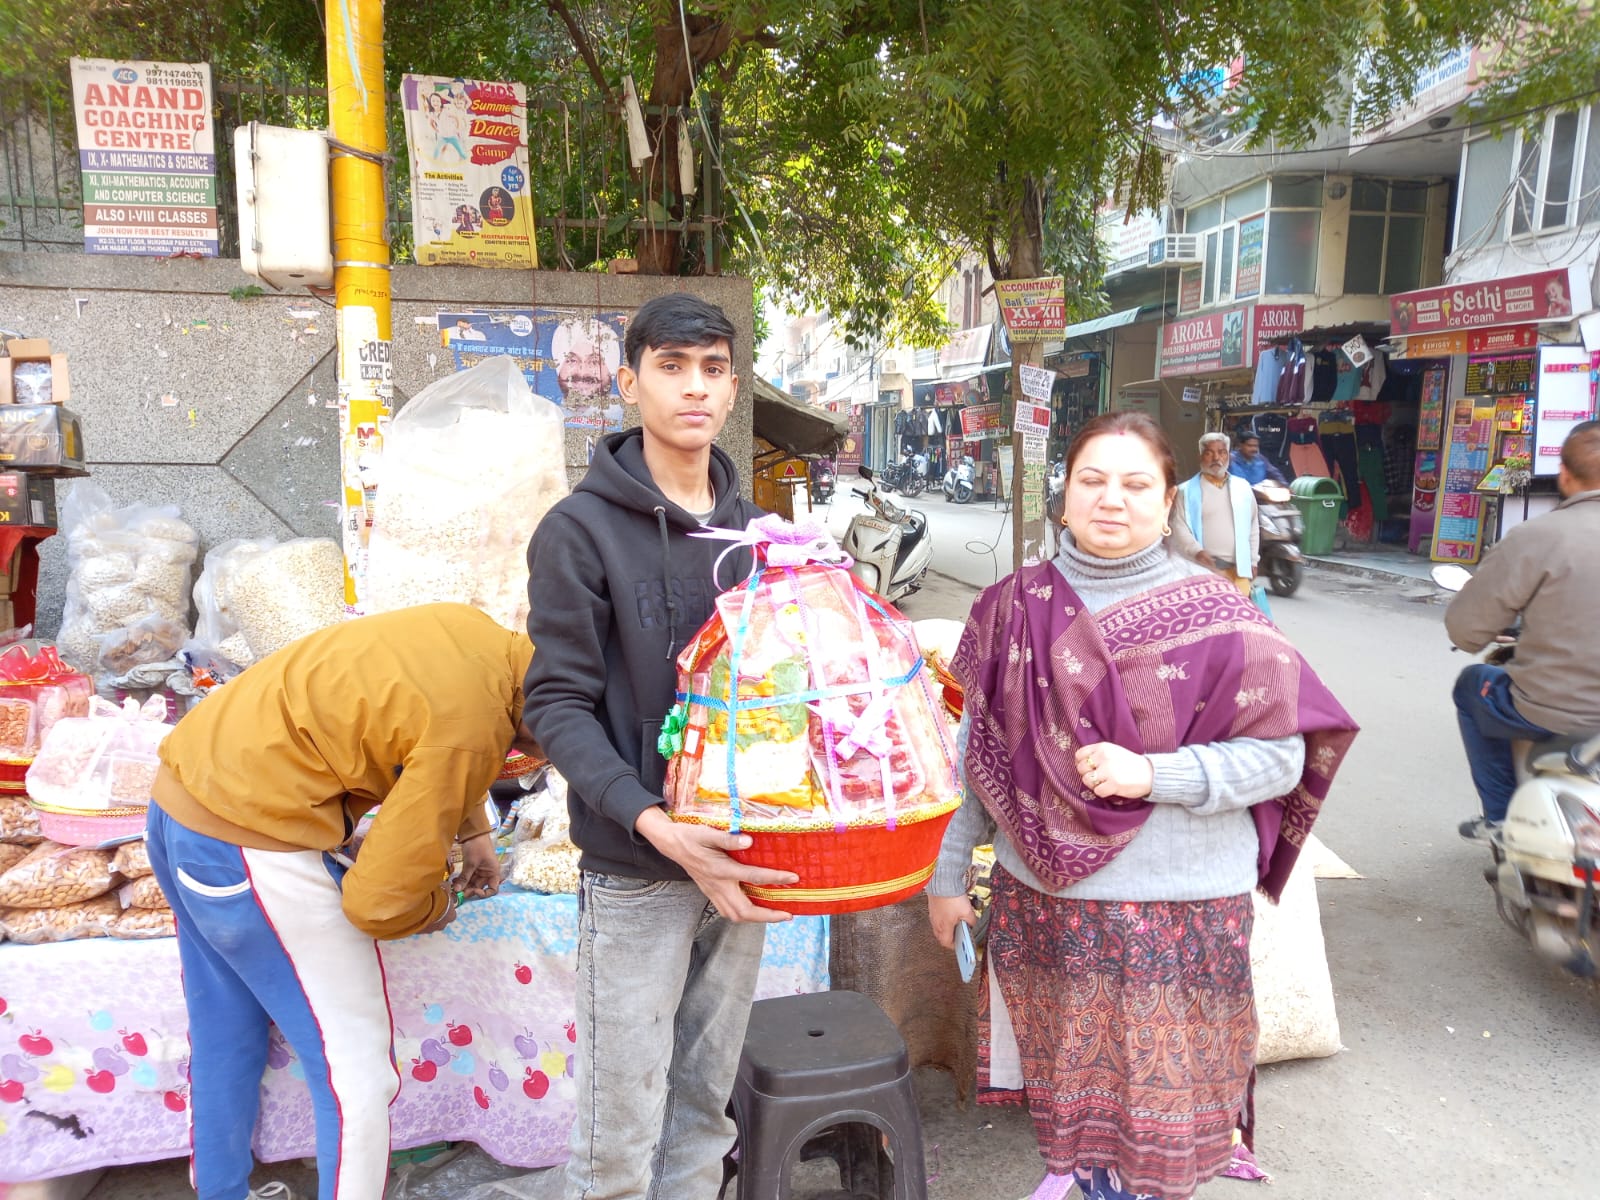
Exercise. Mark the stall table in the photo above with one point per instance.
(94, 1042)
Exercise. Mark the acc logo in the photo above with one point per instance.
(125, 75)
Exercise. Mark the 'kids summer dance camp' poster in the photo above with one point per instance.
(471, 199)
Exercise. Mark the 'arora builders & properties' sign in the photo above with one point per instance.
(1226, 340)
(146, 146)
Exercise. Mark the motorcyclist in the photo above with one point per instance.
(1252, 466)
(1547, 572)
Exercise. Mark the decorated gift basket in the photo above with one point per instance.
(806, 717)
(37, 689)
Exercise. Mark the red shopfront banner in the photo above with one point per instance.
(1226, 340)
(1541, 296)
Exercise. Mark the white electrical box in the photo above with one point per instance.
(285, 237)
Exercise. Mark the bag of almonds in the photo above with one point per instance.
(64, 923)
(144, 892)
(19, 824)
(53, 875)
(144, 923)
(132, 861)
(11, 855)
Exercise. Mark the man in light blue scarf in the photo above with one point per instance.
(1214, 518)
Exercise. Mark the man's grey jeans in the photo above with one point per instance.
(663, 995)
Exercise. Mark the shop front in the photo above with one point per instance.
(1507, 377)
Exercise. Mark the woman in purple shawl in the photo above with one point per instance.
(1145, 749)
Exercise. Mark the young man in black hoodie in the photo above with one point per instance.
(668, 943)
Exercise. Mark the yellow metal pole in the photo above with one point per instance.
(361, 266)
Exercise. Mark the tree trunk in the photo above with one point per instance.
(1027, 487)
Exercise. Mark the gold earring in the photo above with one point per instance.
(1166, 530)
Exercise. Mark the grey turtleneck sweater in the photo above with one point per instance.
(1199, 842)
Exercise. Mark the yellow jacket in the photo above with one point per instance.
(413, 710)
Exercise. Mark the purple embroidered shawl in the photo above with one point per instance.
(1183, 664)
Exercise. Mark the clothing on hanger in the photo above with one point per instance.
(1324, 377)
(1269, 370)
(1348, 381)
(1373, 376)
(1291, 383)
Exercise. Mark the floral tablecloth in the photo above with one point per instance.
(93, 1042)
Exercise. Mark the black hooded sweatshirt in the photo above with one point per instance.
(616, 588)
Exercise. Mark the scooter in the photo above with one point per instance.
(1282, 527)
(957, 484)
(1546, 867)
(821, 483)
(891, 546)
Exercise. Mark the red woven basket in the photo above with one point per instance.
(849, 870)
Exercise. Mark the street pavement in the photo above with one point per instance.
(1468, 1065)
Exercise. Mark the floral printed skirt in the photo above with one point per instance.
(1129, 1028)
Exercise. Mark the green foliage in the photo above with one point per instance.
(247, 291)
(870, 143)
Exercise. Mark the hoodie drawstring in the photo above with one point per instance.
(666, 583)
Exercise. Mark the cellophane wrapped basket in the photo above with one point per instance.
(830, 751)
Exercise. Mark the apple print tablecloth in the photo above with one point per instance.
(93, 1042)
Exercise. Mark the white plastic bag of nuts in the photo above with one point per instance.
(19, 824)
(132, 860)
(64, 923)
(53, 875)
(10, 855)
(144, 892)
(144, 923)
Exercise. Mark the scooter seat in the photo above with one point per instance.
(1547, 757)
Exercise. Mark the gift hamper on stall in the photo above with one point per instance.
(83, 870)
(807, 719)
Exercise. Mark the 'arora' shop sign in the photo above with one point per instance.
(1226, 340)
(147, 150)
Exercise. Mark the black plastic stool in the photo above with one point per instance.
(815, 1062)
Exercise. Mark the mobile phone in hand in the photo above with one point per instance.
(966, 955)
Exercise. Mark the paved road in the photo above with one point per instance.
(1469, 1066)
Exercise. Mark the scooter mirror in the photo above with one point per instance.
(865, 472)
(1450, 577)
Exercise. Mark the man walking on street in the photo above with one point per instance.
(1547, 573)
(1214, 519)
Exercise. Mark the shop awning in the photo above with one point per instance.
(1110, 321)
(794, 426)
(966, 351)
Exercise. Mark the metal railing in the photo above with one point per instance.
(590, 203)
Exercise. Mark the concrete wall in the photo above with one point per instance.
(226, 407)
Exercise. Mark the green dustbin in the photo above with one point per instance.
(1318, 500)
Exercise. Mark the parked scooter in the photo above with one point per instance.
(891, 546)
(958, 480)
(1546, 866)
(821, 483)
(1282, 527)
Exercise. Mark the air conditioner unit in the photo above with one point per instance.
(1176, 250)
(893, 363)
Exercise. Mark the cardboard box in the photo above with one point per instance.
(27, 500)
(42, 439)
(33, 375)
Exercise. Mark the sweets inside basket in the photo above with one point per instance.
(830, 750)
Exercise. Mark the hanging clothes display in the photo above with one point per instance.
(1369, 468)
(1324, 376)
(1292, 381)
(1305, 455)
(1269, 370)
(1337, 432)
